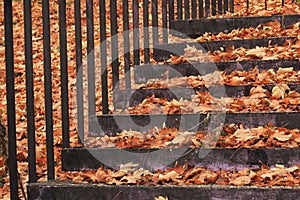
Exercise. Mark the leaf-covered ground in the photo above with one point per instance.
(180, 174)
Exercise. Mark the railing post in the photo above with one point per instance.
(126, 44)
(225, 6)
(201, 11)
(154, 22)
(164, 21)
(114, 43)
(90, 58)
(10, 99)
(231, 6)
(220, 7)
(146, 31)
(79, 81)
(171, 12)
(29, 91)
(64, 74)
(48, 90)
(186, 9)
(103, 57)
(136, 33)
(194, 9)
(207, 8)
(179, 9)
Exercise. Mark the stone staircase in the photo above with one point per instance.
(215, 158)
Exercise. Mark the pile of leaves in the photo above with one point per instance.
(281, 98)
(289, 50)
(270, 29)
(129, 174)
(228, 136)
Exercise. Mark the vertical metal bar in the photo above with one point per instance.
(136, 33)
(247, 2)
(220, 7)
(64, 74)
(201, 12)
(146, 31)
(164, 21)
(48, 89)
(207, 8)
(194, 9)
(266, 6)
(91, 57)
(154, 22)
(171, 12)
(114, 43)
(103, 57)
(10, 99)
(214, 7)
(231, 6)
(79, 81)
(179, 9)
(29, 91)
(225, 6)
(126, 44)
(186, 9)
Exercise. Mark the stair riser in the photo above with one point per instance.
(90, 192)
(195, 28)
(112, 124)
(215, 159)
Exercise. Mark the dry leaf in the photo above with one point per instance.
(241, 181)
(281, 136)
(172, 175)
(278, 91)
(243, 135)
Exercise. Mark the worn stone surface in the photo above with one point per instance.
(220, 158)
(194, 28)
(112, 124)
(87, 191)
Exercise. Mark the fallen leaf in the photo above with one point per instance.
(281, 136)
(241, 181)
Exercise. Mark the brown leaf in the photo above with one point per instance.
(281, 136)
(171, 175)
(241, 181)
(278, 91)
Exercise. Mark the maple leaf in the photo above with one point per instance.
(278, 91)
(243, 135)
(281, 136)
(171, 175)
(241, 181)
